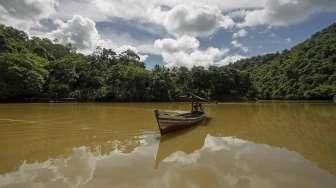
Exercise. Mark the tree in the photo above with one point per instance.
(64, 76)
(21, 76)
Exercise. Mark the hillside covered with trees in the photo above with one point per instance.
(34, 69)
(307, 71)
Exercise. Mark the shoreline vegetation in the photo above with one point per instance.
(145, 102)
(74, 100)
(47, 101)
(39, 70)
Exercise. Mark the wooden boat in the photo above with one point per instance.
(169, 121)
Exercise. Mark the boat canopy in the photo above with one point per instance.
(193, 97)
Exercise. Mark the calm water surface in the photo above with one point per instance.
(118, 145)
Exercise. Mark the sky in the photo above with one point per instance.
(171, 32)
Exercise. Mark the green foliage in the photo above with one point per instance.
(46, 49)
(21, 75)
(65, 75)
(162, 86)
(307, 71)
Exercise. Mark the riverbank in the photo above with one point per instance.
(175, 101)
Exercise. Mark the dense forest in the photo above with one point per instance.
(35, 69)
(307, 71)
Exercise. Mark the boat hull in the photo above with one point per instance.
(169, 121)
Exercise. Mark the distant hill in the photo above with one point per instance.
(307, 71)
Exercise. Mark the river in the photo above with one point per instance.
(263, 144)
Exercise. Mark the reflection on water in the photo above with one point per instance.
(219, 162)
(118, 145)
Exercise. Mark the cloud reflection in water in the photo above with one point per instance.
(220, 162)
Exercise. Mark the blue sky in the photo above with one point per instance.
(172, 32)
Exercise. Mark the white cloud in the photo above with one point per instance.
(203, 58)
(238, 15)
(179, 18)
(28, 9)
(230, 59)
(24, 14)
(129, 9)
(239, 45)
(196, 58)
(195, 20)
(102, 10)
(272, 12)
(81, 32)
(185, 51)
(185, 43)
(286, 12)
(87, 8)
(225, 5)
(241, 33)
(115, 41)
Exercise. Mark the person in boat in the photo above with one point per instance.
(197, 107)
(200, 107)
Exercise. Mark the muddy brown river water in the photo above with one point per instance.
(264, 144)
